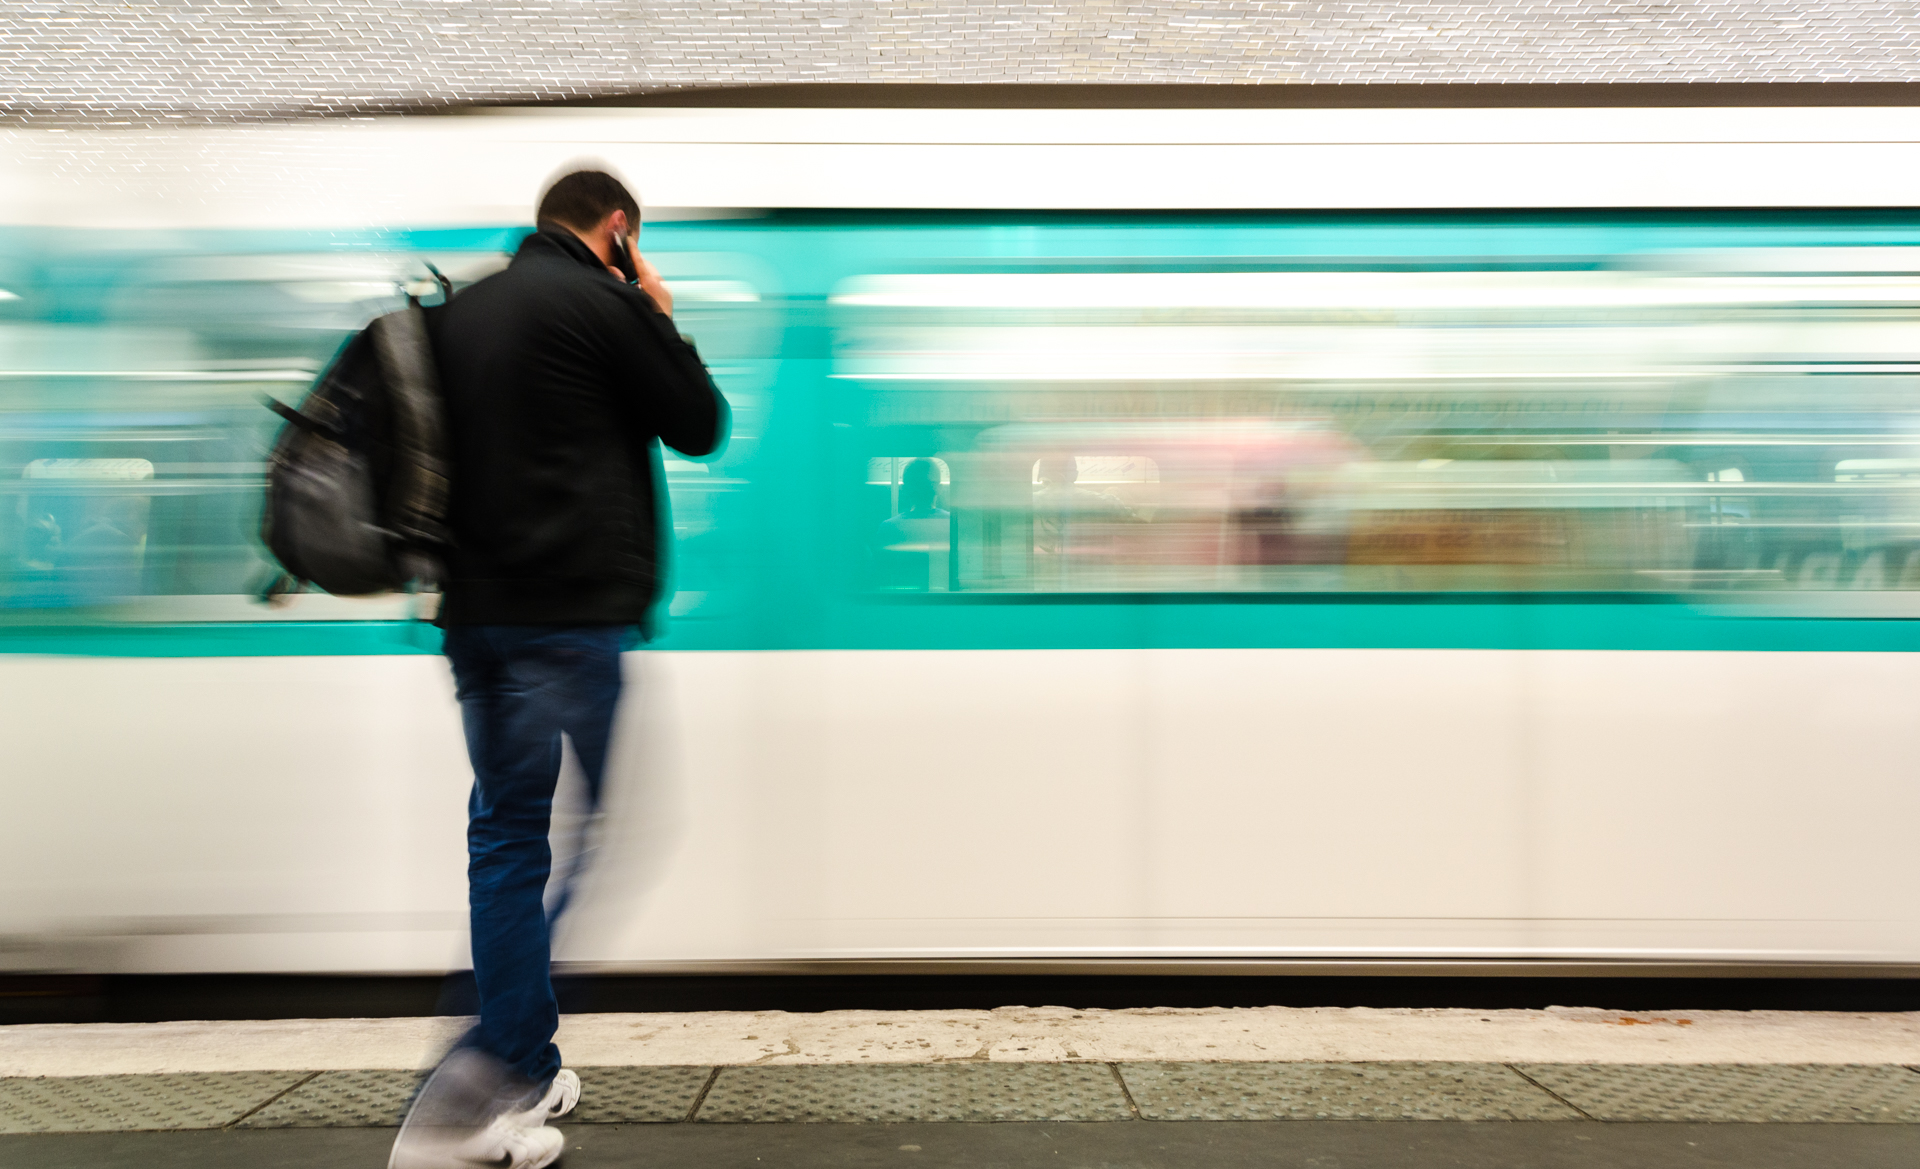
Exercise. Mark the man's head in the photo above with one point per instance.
(919, 485)
(587, 202)
(1059, 471)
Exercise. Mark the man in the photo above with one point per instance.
(561, 379)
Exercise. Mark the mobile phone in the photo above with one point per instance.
(623, 259)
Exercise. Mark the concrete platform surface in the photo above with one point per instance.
(1007, 1035)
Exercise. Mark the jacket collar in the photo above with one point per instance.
(553, 240)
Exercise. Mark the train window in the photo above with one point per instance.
(1656, 420)
(1155, 506)
(83, 525)
(136, 487)
(133, 441)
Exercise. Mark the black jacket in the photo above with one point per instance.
(560, 382)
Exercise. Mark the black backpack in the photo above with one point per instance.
(357, 482)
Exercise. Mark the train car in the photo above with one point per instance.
(1247, 540)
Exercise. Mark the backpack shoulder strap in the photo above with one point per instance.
(417, 509)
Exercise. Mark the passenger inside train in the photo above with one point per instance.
(910, 548)
(1066, 514)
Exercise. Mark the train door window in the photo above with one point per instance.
(905, 510)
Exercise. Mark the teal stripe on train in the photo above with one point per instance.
(262, 639)
(1066, 625)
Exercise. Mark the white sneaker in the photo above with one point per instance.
(524, 1146)
(504, 1144)
(561, 1096)
(456, 1120)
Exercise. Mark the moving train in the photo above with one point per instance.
(1360, 540)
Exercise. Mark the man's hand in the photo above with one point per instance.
(652, 285)
(650, 282)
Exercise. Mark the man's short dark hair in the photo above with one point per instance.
(584, 198)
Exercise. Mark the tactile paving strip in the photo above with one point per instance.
(364, 1099)
(986, 1092)
(1337, 1091)
(1738, 1092)
(890, 1092)
(135, 1103)
(637, 1095)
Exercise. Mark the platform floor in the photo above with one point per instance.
(1612, 1090)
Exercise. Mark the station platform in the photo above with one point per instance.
(1259, 1086)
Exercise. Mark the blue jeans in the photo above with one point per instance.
(520, 688)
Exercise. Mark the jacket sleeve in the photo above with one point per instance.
(676, 397)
